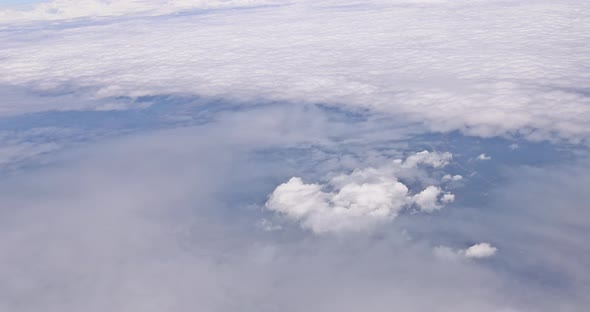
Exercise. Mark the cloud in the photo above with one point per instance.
(448, 177)
(359, 201)
(477, 251)
(433, 159)
(428, 199)
(21, 100)
(68, 9)
(483, 157)
(481, 250)
(399, 58)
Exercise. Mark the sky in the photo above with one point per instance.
(296, 155)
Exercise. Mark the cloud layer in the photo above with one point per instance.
(68, 9)
(486, 68)
(195, 196)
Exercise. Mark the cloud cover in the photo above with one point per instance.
(486, 68)
(168, 220)
(68, 9)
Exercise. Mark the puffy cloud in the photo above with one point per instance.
(68, 9)
(433, 159)
(427, 200)
(354, 207)
(431, 198)
(448, 198)
(448, 177)
(481, 250)
(356, 202)
(477, 251)
(483, 157)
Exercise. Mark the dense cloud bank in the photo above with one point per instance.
(486, 68)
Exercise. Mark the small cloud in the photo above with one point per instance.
(481, 250)
(513, 146)
(448, 177)
(427, 200)
(448, 198)
(484, 157)
(431, 198)
(432, 159)
(477, 251)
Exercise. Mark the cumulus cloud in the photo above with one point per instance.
(428, 200)
(477, 251)
(433, 159)
(448, 177)
(359, 201)
(448, 198)
(483, 157)
(68, 9)
(481, 250)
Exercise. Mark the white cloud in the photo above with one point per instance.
(486, 68)
(428, 199)
(448, 198)
(484, 157)
(433, 159)
(448, 177)
(477, 251)
(481, 250)
(355, 202)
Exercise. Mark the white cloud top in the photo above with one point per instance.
(435, 160)
(486, 68)
(448, 177)
(483, 157)
(477, 251)
(481, 250)
(356, 202)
